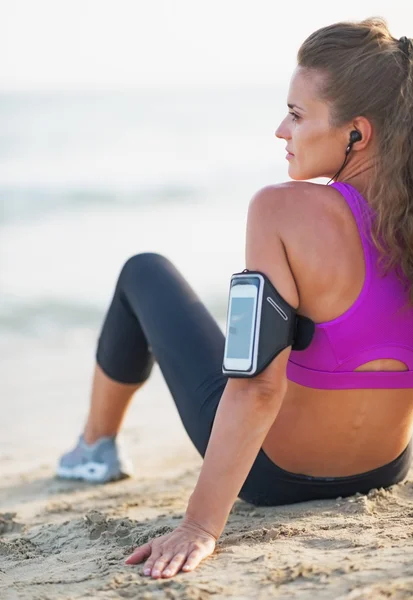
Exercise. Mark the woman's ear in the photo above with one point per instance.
(365, 128)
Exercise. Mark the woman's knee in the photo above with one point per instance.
(142, 266)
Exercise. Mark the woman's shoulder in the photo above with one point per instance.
(321, 241)
(294, 194)
(301, 205)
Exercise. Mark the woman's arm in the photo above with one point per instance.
(248, 407)
(246, 412)
(242, 421)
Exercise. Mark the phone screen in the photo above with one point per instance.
(240, 329)
(241, 318)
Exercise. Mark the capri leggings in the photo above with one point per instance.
(155, 315)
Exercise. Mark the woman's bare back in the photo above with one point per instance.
(333, 432)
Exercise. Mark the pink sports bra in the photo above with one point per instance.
(378, 325)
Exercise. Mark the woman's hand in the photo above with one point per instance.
(184, 548)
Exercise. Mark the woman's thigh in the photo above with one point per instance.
(155, 314)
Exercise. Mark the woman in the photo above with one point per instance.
(333, 419)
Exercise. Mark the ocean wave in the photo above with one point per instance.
(30, 203)
(45, 317)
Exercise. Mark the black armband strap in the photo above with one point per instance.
(268, 322)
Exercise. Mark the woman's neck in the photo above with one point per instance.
(359, 176)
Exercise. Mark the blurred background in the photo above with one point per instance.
(130, 126)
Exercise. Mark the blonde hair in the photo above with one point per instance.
(369, 73)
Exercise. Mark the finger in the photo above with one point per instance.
(160, 564)
(193, 560)
(139, 554)
(148, 566)
(175, 565)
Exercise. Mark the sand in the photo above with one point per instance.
(66, 540)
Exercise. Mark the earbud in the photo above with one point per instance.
(355, 136)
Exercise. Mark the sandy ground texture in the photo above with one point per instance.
(68, 541)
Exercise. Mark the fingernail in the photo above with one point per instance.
(147, 572)
(167, 572)
(155, 573)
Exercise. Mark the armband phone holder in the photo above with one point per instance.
(260, 324)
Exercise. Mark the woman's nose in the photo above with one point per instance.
(282, 131)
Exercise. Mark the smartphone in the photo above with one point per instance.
(241, 342)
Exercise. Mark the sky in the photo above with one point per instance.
(116, 44)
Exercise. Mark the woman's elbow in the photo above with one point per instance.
(261, 390)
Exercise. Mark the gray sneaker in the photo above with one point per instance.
(96, 463)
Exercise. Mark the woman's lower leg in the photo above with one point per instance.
(109, 402)
(155, 313)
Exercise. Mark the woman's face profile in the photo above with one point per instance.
(316, 148)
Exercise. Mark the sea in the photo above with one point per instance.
(90, 178)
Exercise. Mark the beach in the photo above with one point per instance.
(87, 180)
(68, 540)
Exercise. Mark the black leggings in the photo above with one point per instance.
(155, 315)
